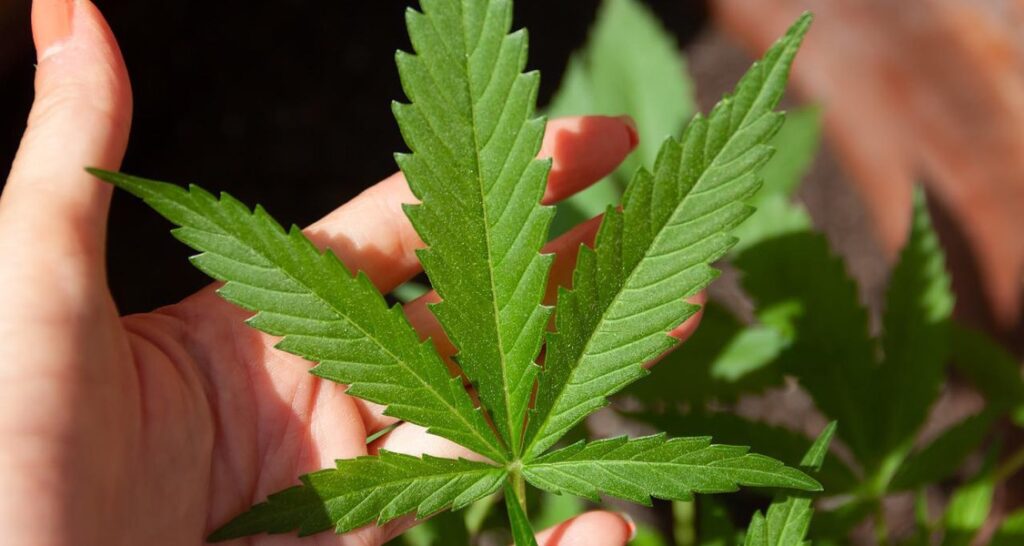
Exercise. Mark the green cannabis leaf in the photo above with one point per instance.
(474, 139)
(787, 520)
(368, 489)
(628, 291)
(776, 442)
(653, 466)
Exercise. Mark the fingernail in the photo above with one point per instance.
(51, 25)
(630, 524)
(634, 135)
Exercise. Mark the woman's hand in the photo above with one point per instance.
(157, 428)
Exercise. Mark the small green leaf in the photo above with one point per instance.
(323, 312)
(915, 343)
(815, 456)
(365, 490)
(628, 291)
(653, 466)
(970, 505)
(757, 532)
(522, 533)
(789, 517)
(474, 138)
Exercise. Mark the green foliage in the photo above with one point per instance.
(916, 336)
(522, 533)
(630, 65)
(801, 289)
(470, 125)
(473, 138)
(322, 312)
(368, 489)
(653, 466)
(788, 518)
(628, 290)
(787, 446)
(969, 507)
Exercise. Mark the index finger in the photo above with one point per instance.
(372, 234)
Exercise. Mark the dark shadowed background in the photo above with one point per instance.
(282, 103)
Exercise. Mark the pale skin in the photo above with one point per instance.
(157, 428)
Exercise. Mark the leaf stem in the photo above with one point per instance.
(519, 486)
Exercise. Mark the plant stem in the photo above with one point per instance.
(519, 485)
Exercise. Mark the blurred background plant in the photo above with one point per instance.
(821, 314)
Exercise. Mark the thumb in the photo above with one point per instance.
(590, 529)
(80, 117)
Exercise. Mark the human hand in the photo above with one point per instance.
(157, 428)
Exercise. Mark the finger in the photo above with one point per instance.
(80, 117)
(372, 234)
(590, 529)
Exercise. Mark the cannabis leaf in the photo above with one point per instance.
(803, 290)
(368, 489)
(777, 442)
(322, 312)
(788, 518)
(916, 339)
(653, 466)
(806, 294)
(474, 141)
(627, 292)
(522, 533)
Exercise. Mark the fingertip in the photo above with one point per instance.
(687, 328)
(584, 150)
(51, 25)
(599, 528)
